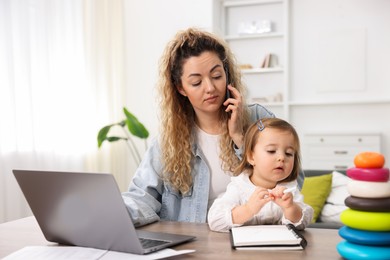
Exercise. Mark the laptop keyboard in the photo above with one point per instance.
(148, 243)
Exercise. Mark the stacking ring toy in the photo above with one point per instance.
(368, 189)
(369, 160)
(369, 174)
(364, 204)
(363, 220)
(365, 237)
(355, 251)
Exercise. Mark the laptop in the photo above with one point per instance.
(87, 209)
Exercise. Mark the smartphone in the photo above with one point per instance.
(227, 90)
(227, 83)
(227, 93)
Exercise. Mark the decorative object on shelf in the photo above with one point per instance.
(270, 61)
(130, 126)
(278, 97)
(245, 66)
(255, 27)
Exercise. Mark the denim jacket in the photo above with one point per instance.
(149, 198)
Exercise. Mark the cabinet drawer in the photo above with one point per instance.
(347, 151)
(328, 165)
(336, 152)
(341, 140)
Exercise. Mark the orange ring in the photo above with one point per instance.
(369, 160)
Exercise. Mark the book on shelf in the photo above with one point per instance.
(270, 61)
(267, 237)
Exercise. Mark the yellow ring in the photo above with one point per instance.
(364, 220)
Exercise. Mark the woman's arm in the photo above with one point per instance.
(143, 198)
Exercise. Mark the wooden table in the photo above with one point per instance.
(322, 243)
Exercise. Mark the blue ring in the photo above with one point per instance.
(355, 251)
(363, 237)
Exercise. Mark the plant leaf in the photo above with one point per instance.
(115, 138)
(102, 135)
(135, 127)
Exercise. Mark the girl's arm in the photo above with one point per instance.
(243, 213)
(219, 216)
(295, 211)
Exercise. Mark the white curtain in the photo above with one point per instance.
(61, 79)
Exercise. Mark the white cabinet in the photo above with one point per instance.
(253, 30)
(336, 151)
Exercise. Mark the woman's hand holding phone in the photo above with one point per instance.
(234, 108)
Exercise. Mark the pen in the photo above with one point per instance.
(292, 189)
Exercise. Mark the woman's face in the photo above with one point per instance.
(204, 83)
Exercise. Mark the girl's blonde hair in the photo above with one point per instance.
(250, 140)
(177, 113)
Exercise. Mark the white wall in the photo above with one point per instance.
(340, 50)
(150, 24)
(340, 58)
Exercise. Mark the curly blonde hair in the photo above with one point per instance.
(250, 140)
(177, 113)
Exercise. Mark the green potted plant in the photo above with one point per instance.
(130, 126)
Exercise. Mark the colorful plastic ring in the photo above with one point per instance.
(364, 204)
(369, 160)
(363, 237)
(363, 220)
(369, 174)
(368, 189)
(355, 251)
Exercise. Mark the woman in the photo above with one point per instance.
(201, 136)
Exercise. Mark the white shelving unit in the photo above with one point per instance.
(268, 86)
(315, 41)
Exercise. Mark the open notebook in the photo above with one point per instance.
(270, 237)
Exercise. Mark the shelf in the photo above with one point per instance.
(340, 102)
(272, 104)
(262, 70)
(249, 2)
(252, 48)
(264, 102)
(254, 36)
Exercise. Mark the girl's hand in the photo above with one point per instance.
(257, 200)
(284, 200)
(291, 210)
(234, 107)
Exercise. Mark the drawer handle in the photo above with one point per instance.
(340, 167)
(340, 152)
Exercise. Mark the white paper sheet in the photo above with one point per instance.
(84, 253)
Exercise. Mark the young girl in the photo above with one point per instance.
(266, 190)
